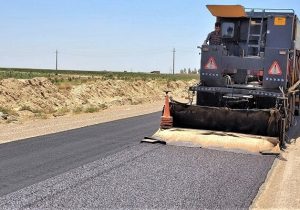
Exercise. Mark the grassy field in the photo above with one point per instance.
(58, 76)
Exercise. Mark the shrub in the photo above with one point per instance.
(91, 109)
(77, 110)
(103, 106)
(62, 111)
(8, 111)
(40, 115)
(25, 107)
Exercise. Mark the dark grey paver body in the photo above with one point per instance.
(152, 176)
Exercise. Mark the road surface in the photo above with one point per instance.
(26, 162)
(105, 166)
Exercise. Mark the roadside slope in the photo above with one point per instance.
(23, 99)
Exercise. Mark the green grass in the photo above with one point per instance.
(77, 77)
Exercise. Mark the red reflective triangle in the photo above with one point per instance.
(275, 69)
(211, 64)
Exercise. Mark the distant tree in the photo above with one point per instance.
(195, 71)
(189, 71)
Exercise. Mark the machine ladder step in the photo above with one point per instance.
(253, 45)
(256, 24)
(255, 35)
(256, 41)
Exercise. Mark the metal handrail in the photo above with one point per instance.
(270, 10)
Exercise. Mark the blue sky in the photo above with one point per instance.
(116, 35)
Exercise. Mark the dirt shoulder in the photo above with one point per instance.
(37, 127)
(281, 189)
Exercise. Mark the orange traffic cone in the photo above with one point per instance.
(166, 121)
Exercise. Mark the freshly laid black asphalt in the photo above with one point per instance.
(151, 176)
(29, 161)
(105, 166)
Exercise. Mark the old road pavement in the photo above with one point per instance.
(105, 166)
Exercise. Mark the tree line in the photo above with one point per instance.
(189, 71)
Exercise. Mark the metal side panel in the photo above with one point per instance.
(297, 34)
(211, 65)
(275, 68)
(279, 32)
(234, 62)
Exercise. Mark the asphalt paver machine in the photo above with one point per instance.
(248, 94)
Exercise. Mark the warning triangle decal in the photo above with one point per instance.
(275, 69)
(211, 64)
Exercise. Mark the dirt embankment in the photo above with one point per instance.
(21, 99)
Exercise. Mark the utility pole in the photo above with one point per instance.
(200, 48)
(174, 61)
(56, 60)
